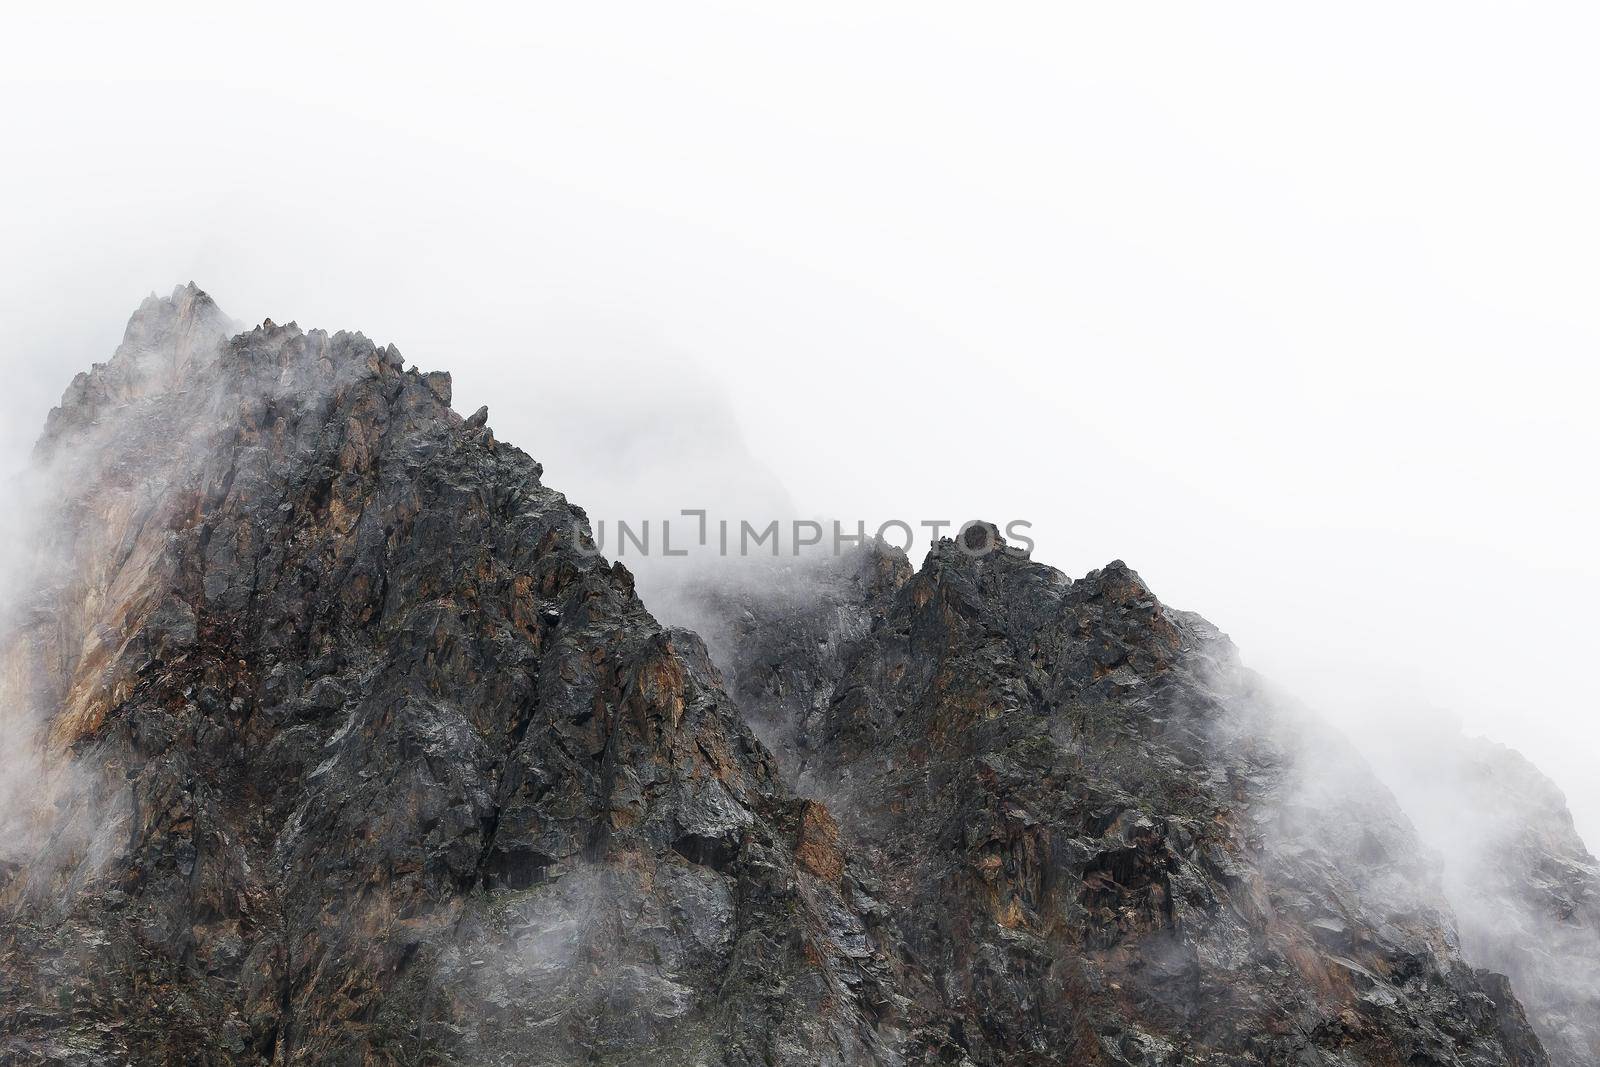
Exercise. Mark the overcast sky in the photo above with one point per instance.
(1292, 308)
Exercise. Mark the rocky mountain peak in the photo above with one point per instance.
(359, 754)
(367, 754)
(167, 339)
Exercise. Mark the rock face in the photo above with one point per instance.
(1525, 888)
(1102, 839)
(373, 762)
(341, 746)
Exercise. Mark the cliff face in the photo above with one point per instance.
(1105, 841)
(337, 746)
(371, 763)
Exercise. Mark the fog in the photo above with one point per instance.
(1292, 310)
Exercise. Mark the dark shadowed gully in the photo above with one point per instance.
(350, 753)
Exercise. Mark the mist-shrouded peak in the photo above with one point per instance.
(368, 752)
(167, 340)
(357, 750)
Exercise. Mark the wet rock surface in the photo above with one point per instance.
(351, 751)
(1101, 838)
(373, 762)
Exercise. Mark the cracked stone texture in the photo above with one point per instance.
(377, 764)
(1101, 838)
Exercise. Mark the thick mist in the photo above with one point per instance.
(85, 553)
(1291, 310)
(55, 816)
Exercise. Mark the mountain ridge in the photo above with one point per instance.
(373, 761)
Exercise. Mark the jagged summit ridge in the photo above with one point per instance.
(1102, 835)
(165, 341)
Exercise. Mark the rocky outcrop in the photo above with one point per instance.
(1102, 839)
(346, 748)
(372, 762)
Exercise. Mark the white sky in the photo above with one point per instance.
(1294, 309)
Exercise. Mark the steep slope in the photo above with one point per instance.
(1525, 887)
(370, 761)
(1105, 841)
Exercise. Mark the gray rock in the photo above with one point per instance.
(1097, 836)
(410, 779)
